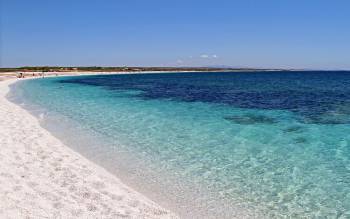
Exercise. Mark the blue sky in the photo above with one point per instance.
(241, 33)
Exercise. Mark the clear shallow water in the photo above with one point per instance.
(264, 144)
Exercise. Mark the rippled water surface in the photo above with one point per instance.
(263, 144)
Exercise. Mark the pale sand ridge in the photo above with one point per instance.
(40, 177)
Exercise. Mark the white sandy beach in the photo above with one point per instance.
(40, 177)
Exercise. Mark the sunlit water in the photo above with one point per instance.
(258, 144)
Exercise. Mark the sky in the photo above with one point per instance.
(311, 34)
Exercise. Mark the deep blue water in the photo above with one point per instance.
(317, 97)
(258, 144)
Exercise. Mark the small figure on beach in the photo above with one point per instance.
(20, 75)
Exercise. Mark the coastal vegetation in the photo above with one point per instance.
(118, 69)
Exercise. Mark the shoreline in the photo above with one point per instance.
(42, 177)
(38, 74)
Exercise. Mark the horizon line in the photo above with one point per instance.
(176, 67)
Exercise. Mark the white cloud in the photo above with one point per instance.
(206, 56)
(179, 61)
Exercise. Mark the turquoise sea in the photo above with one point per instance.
(210, 145)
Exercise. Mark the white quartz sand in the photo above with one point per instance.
(40, 177)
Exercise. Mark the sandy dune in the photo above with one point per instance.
(42, 178)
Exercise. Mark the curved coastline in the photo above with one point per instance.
(42, 177)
